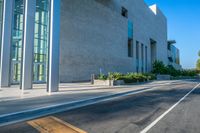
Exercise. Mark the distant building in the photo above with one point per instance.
(68, 40)
(173, 55)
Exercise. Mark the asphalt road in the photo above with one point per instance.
(132, 114)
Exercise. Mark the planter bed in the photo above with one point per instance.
(108, 82)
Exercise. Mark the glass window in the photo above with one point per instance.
(142, 55)
(130, 48)
(137, 56)
(17, 34)
(1, 19)
(130, 29)
(146, 59)
(41, 40)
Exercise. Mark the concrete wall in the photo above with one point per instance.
(94, 35)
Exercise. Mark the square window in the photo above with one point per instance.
(124, 12)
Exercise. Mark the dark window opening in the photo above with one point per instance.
(170, 59)
(137, 56)
(130, 48)
(137, 50)
(146, 59)
(124, 12)
(169, 47)
(153, 47)
(142, 52)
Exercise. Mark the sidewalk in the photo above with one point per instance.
(39, 90)
(11, 99)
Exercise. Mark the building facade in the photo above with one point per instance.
(52, 41)
(110, 36)
(174, 55)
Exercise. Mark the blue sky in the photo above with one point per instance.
(183, 26)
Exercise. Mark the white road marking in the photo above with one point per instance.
(145, 130)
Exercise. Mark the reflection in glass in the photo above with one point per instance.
(41, 40)
(17, 35)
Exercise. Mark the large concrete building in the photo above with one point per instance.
(68, 40)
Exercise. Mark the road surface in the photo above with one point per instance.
(167, 109)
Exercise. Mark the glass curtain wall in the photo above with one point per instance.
(1, 19)
(41, 36)
(41, 41)
(17, 37)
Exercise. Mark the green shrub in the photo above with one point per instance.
(198, 65)
(160, 68)
(102, 77)
(128, 78)
(115, 76)
(138, 77)
(150, 76)
(188, 72)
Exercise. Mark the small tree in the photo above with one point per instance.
(159, 68)
(198, 62)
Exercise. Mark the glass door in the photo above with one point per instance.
(15, 72)
(39, 73)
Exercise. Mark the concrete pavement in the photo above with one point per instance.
(133, 113)
(185, 118)
(37, 98)
(29, 108)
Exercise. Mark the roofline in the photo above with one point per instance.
(171, 42)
